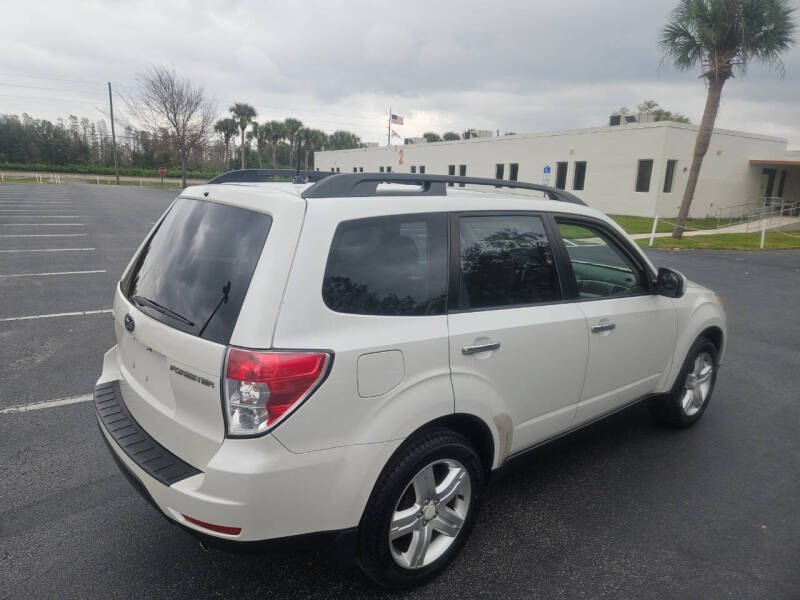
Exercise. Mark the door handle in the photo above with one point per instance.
(474, 349)
(601, 327)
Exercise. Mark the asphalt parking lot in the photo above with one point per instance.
(621, 509)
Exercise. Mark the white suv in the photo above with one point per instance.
(385, 341)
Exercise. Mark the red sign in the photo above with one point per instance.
(162, 170)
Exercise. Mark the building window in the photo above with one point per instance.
(380, 169)
(513, 171)
(413, 169)
(360, 169)
(644, 171)
(669, 175)
(462, 172)
(499, 171)
(355, 170)
(388, 169)
(422, 168)
(332, 171)
(579, 177)
(337, 169)
(561, 175)
(451, 170)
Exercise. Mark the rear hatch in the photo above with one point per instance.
(175, 311)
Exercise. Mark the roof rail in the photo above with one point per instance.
(340, 185)
(260, 175)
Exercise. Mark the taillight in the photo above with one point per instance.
(262, 387)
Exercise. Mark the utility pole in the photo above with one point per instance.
(113, 135)
(389, 129)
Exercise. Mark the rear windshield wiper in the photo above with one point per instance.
(141, 300)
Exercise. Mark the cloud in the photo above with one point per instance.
(508, 65)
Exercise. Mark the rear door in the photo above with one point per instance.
(175, 310)
(516, 346)
(631, 330)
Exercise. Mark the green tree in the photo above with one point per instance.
(313, 140)
(722, 36)
(227, 128)
(260, 135)
(431, 137)
(292, 126)
(275, 132)
(451, 136)
(659, 114)
(243, 114)
(343, 140)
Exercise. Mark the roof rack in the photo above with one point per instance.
(338, 185)
(260, 175)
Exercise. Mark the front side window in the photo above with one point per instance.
(394, 265)
(600, 268)
(506, 260)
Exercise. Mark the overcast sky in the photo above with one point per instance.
(523, 66)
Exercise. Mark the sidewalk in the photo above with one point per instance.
(754, 227)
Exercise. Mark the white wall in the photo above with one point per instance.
(611, 154)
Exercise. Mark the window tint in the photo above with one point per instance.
(643, 174)
(505, 260)
(600, 268)
(579, 179)
(198, 265)
(669, 175)
(393, 265)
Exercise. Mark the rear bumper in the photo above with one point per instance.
(254, 484)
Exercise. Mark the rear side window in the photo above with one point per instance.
(394, 265)
(194, 271)
(505, 260)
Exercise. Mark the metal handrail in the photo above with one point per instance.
(765, 207)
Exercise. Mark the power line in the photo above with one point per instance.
(34, 87)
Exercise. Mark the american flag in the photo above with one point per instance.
(397, 119)
(395, 134)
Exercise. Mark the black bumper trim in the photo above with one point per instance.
(141, 448)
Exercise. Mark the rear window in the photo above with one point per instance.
(395, 265)
(195, 269)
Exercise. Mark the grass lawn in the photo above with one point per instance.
(645, 224)
(730, 241)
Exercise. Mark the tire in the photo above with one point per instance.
(687, 401)
(396, 559)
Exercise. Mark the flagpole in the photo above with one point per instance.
(389, 128)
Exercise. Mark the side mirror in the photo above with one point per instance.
(670, 283)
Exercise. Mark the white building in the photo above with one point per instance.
(634, 169)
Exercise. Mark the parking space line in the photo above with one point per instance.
(53, 273)
(16, 235)
(45, 404)
(54, 315)
(49, 250)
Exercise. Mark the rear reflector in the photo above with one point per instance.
(212, 527)
(263, 387)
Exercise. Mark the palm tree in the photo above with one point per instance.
(243, 114)
(227, 128)
(722, 36)
(260, 135)
(292, 127)
(313, 139)
(275, 133)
